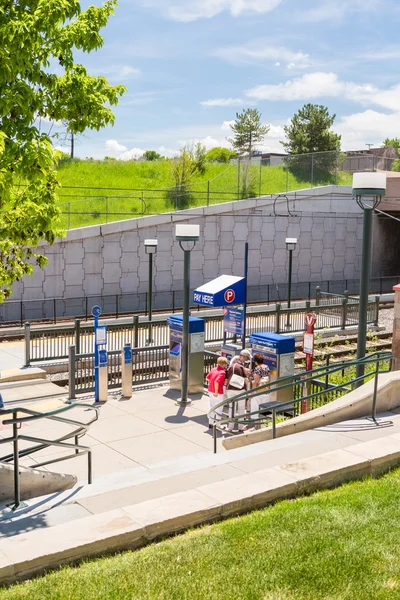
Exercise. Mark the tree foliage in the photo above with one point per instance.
(220, 155)
(391, 143)
(247, 131)
(310, 131)
(37, 41)
(151, 155)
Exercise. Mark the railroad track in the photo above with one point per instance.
(338, 348)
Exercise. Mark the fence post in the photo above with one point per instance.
(135, 331)
(55, 310)
(278, 318)
(308, 305)
(328, 359)
(344, 313)
(86, 308)
(287, 175)
(377, 302)
(143, 204)
(78, 335)
(27, 344)
(106, 209)
(69, 215)
(208, 193)
(312, 170)
(176, 197)
(21, 313)
(71, 372)
(17, 491)
(317, 295)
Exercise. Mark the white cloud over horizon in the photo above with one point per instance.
(182, 10)
(224, 102)
(120, 152)
(324, 85)
(261, 51)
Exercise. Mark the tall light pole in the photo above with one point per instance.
(368, 188)
(291, 244)
(187, 236)
(151, 249)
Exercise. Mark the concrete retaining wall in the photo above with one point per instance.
(357, 403)
(33, 482)
(110, 259)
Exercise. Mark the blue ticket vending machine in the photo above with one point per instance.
(196, 353)
(278, 352)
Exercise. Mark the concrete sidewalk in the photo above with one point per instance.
(223, 485)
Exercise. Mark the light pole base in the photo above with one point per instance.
(183, 403)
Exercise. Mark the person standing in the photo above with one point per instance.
(216, 381)
(238, 373)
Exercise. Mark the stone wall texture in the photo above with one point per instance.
(110, 259)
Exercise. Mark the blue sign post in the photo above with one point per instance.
(96, 312)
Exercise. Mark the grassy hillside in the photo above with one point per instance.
(94, 192)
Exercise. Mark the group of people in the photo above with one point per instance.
(225, 382)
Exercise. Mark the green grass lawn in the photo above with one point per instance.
(94, 192)
(339, 544)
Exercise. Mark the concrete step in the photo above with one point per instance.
(162, 479)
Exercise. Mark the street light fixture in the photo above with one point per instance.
(368, 188)
(187, 235)
(291, 244)
(150, 247)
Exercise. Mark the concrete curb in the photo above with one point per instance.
(134, 526)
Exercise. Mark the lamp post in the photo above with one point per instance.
(290, 246)
(368, 188)
(151, 249)
(187, 236)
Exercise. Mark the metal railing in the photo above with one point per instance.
(310, 390)
(53, 343)
(117, 305)
(150, 365)
(62, 442)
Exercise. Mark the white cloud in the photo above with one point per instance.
(367, 127)
(226, 125)
(291, 65)
(223, 102)
(324, 85)
(168, 152)
(183, 10)
(262, 51)
(117, 72)
(277, 64)
(116, 150)
(209, 142)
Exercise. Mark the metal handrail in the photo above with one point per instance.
(31, 415)
(302, 378)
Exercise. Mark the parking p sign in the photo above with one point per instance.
(229, 296)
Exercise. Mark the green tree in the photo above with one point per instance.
(391, 143)
(151, 155)
(247, 131)
(37, 40)
(310, 131)
(199, 156)
(220, 155)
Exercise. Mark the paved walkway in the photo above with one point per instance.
(132, 433)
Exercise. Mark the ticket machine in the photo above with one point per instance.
(196, 353)
(278, 352)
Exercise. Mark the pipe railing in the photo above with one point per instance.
(299, 383)
(41, 443)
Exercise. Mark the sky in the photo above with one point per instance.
(190, 65)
